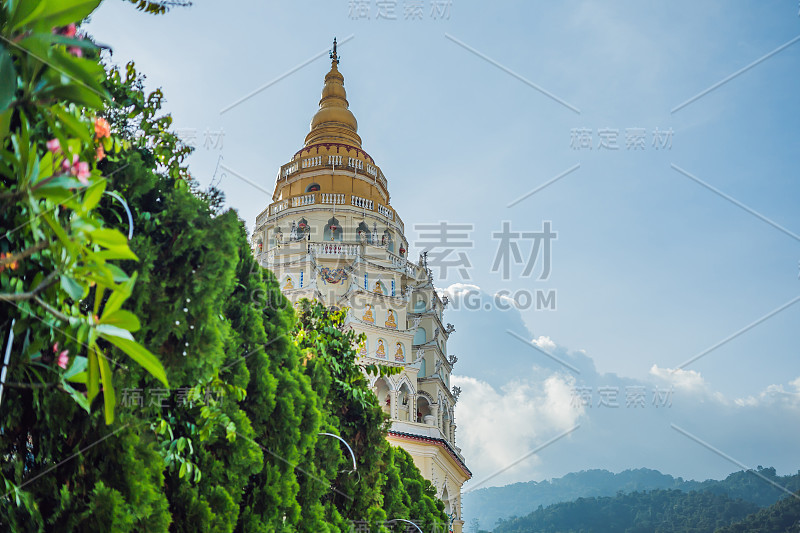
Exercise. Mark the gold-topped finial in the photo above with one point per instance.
(334, 55)
(334, 122)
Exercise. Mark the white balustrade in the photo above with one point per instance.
(363, 203)
(278, 207)
(290, 169)
(332, 198)
(355, 163)
(333, 248)
(372, 171)
(335, 160)
(385, 211)
(311, 162)
(305, 199)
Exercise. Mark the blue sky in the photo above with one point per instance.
(650, 267)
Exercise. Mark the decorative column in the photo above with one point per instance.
(393, 412)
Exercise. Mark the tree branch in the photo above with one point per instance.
(38, 247)
(53, 311)
(15, 385)
(18, 296)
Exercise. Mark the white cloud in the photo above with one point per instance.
(545, 343)
(687, 380)
(497, 428)
(773, 394)
(459, 289)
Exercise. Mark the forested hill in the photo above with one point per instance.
(489, 505)
(782, 517)
(654, 511)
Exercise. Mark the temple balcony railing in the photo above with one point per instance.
(334, 249)
(356, 164)
(327, 198)
(363, 203)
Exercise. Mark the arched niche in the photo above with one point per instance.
(332, 231)
(420, 336)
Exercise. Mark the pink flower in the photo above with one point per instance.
(82, 172)
(65, 164)
(75, 50)
(69, 31)
(100, 154)
(53, 145)
(55, 348)
(63, 359)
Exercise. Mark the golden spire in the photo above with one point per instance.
(334, 122)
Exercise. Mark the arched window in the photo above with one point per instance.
(314, 187)
(333, 230)
(363, 232)
(422, 370)
(420, 336)
(423, 411)
(383, 393)
(404, 403)
(420, 305)
(303, 229)
(446, 501)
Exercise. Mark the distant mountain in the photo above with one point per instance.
(782, 517)
(489, 505)
(638, 512)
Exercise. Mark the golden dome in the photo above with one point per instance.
(334, 122)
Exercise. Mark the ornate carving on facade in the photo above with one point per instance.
(456, 392)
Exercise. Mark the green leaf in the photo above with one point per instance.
(56, 187)
(59, 231)
(81, 71)
(5, 124)
(86, 44)
(182, 471)
(77, 367)
(122, 319)
(72, 123)
(120, 294)
(108, 238)
(93, 382)
(109, 330)
(72, 287)
(79, 397)
(141, 355)
(25, 10)
(117, 253)
(63, 12)
(8, 79)
(109, 399)
(93, 194)
(77, 94)
(118, 275)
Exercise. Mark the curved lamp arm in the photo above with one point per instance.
(352, 455)
(127, 210)
(407, 522)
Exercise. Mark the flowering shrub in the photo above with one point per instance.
(60, 285)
